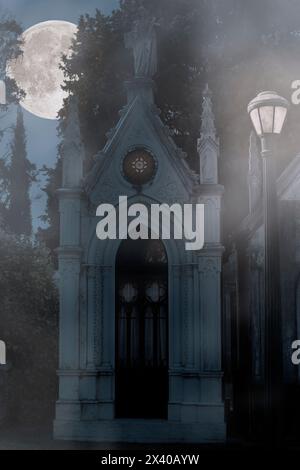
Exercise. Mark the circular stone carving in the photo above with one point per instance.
(139, 167)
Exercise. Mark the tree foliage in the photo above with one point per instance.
(21, 174)
(28, 325)
(10, 49)
(227, 43)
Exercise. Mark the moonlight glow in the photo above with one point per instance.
(37, 71)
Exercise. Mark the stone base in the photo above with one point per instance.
(139, 431)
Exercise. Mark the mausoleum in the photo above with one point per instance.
(140, 321)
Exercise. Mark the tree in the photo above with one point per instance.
(10, 49)
(28, 325)
(225, 43)
(96, 73)
(21, 175)
(10, 43)
(49, 235)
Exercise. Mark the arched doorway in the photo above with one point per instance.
(141, 330)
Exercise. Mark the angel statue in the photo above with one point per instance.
(143, 41)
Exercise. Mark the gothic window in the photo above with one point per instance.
(139, 167)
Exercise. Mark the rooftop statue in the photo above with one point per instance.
(142, 39)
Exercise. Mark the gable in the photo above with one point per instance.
(140, 127)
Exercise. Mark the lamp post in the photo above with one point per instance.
(268, 113)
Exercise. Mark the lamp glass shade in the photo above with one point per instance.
(279, 118)
(256, 121)
(267, 119)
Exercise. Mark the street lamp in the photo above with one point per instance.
(268, 113)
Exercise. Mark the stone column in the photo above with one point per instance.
(69, 268)
(91, 319)
(210, 273)
(69, 254)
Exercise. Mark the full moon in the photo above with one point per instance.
(37, 70)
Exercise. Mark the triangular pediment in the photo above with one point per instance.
(140, 127)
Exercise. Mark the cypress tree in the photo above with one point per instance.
(21, 175)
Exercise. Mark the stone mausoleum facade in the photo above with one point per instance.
(140, 322)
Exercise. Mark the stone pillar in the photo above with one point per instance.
(91, 320)
(188, 317)
(210, 272)
(209, 192)
(69, 268)
(69, 254)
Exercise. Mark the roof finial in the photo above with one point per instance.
(208, 143)
(208, 128)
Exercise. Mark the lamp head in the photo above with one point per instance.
(268, 113)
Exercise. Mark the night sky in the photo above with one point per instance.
(41, 133)
(257, 25)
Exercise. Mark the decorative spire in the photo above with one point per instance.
(208, 128)
(208, 144)
(72, 148)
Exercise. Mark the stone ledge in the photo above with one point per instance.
(139, 431)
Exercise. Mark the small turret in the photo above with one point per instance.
(208, 143)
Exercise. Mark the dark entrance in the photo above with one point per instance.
(141, 330)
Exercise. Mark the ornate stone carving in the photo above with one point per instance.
(139, 166)
(208, 128)
(169, 191)
(208, 144)
(109, 190)
(209, 264)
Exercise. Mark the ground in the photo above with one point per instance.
(40, 438)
